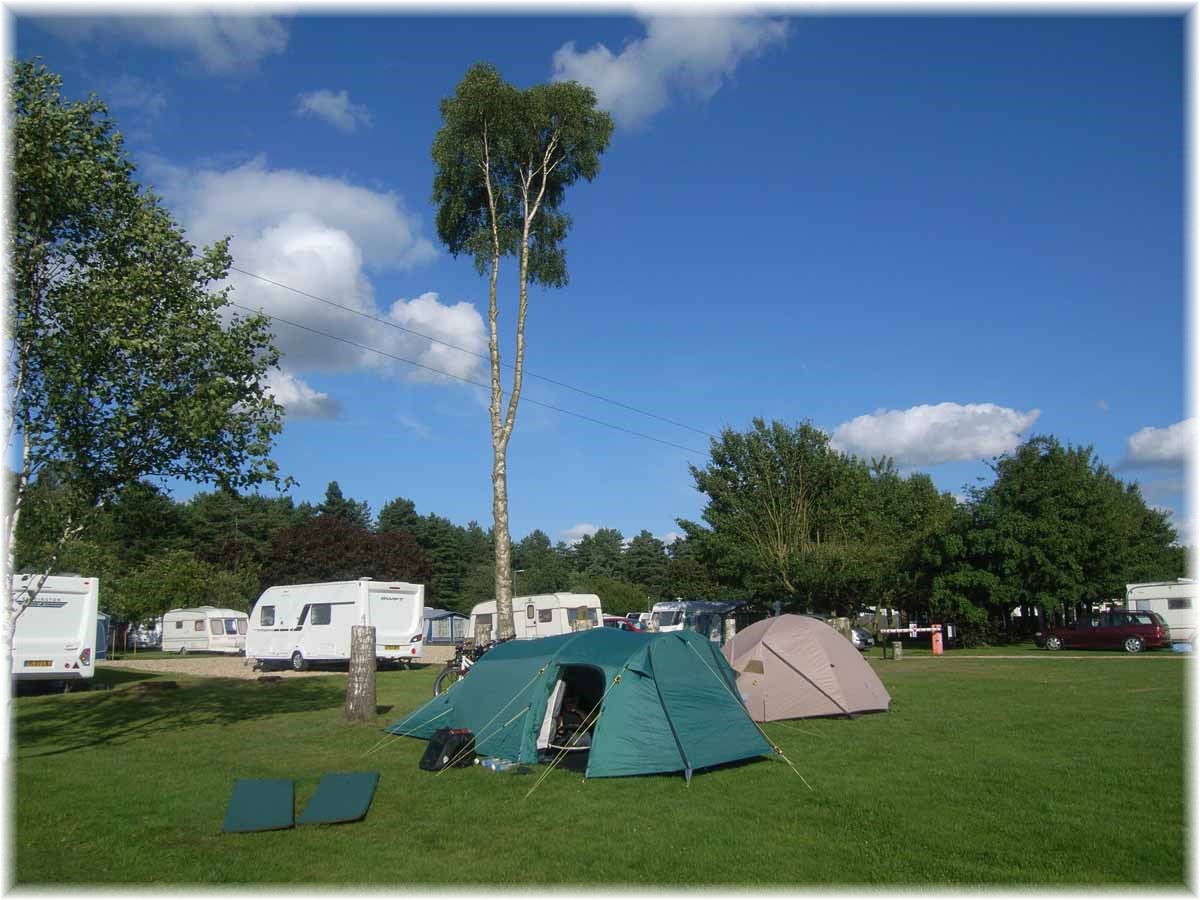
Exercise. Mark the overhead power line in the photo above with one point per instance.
(411, 362)
(431, 338)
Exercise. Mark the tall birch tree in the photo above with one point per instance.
(504, 158)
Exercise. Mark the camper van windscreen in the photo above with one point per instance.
(672, 617)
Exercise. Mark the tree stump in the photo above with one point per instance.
(360, 685)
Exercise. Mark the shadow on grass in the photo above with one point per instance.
(55, 725)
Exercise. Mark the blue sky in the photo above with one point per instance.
(931, 236)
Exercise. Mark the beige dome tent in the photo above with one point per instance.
(796, 667)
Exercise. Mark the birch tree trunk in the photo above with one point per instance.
(360, 684)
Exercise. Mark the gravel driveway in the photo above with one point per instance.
(207, 667)
(240, 666)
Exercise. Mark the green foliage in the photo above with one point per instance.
(490, 123)
(538, 568)
(1055, 529)
(122, 362)
(617, 597)
(230, 530)
(329, 548)
(399, 514)
(176, 578)
(645, 562)
(775, 496)
(356, 512)
(600, 553)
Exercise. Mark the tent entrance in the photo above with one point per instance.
(569, 720)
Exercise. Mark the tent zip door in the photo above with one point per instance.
(577, 688)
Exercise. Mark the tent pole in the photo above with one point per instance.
(742, 706)
(687, 765)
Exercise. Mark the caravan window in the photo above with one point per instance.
(529, 610)
(673, 617)
(484, 619)
(218, 626)
(321, 613)
(1179, 603)
(179, 623)
(199, 625)
(241, 626)
(231, 626)
(545, 615)
(266, 615)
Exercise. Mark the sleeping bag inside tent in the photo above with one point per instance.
(665, 703)
(796, 667)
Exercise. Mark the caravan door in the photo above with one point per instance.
(531, 619)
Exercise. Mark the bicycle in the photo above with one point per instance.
(466, 654)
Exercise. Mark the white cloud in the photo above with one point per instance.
(576, 533)
(689, 55)
(336, 109)
(131, 92)
(300, 400)
(1161, 446)
(459, 325)
(927, 435)
(1102, 405)
(321, 236)
(414, 426)
(671, 537)
(221, 44)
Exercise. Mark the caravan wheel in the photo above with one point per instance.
(299, 664)
(183, 651)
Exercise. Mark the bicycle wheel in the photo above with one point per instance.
(447, 677)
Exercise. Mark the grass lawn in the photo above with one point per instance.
(1040, 770)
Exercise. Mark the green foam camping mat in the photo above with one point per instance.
(341, 797)
(260, 804)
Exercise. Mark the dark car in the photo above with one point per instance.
(1117, 629)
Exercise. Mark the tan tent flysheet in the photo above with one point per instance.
(797, 667)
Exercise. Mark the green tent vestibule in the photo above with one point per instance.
(667, 702)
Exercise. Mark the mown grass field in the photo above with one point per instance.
(1041, 770)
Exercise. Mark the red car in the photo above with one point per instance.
(622, 623)
(1117, 629)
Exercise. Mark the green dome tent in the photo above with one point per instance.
(667, 702)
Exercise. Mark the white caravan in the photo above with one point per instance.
(204, 629)
(706, 617)
(303, 623)
(539, 616)
(1175, 601)
(55, 636)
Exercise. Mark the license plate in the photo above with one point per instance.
(44, 663)
(391, 646)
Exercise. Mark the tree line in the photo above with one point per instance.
(788, 519)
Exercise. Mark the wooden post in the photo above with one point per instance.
(360, 684)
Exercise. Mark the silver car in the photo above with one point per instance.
(862, 639)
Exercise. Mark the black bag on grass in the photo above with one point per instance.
(449, 747)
